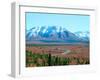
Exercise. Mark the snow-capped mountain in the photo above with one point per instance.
(83, 35)
(54, 33)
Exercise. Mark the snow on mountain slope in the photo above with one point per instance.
(83, 35)
(55, 33)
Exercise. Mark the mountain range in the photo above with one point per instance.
(55, 34)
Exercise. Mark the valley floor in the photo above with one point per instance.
(46, 55)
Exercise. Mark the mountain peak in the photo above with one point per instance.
(55, 33)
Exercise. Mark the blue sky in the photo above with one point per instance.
(72, 23)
